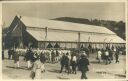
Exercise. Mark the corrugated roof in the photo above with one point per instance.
(42, 23)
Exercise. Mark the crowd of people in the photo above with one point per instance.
(70, 61)
(108, 55)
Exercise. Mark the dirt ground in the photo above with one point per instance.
(96, 70)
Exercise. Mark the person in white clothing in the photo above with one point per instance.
(36, 72)
(99, 56)
(74, 63)
(107, 57)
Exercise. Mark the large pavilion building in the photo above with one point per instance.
(41, 33)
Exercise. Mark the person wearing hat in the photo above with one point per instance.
(83, 64)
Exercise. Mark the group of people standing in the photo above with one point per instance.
(36, 61)
(74, 61)
(108, 55)
(12, 54)
(70, 61)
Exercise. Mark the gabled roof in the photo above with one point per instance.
(42, 23)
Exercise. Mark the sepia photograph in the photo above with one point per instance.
(63, 40)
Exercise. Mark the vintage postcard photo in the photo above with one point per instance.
(63, 40)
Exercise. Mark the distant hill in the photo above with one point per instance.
(117, 27)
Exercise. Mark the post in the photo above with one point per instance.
(78, 42)
(46, 34)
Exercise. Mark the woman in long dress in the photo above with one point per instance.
(37, 69)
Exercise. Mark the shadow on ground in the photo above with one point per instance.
(54, 71)
(23, 68)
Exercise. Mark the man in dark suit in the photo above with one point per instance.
(53, 56)
(83, 64)
(29, 57)
(10, 53)
(16, 58)
(64, 63)
(42, 58)
(2, 54)
(117, 57)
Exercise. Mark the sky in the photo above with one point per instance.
(94, 10)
